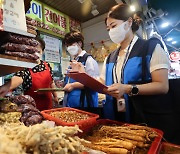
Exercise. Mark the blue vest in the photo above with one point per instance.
(140, 55)
(80, 97)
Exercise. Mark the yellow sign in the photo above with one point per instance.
(48, 20)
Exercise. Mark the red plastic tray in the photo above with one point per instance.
(168, 148)
(155, 144)
(83, 124)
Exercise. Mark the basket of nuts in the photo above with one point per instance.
(67, 116)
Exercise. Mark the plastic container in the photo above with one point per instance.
(155, 144)
(83, 124)
(169, 148)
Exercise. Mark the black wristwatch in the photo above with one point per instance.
(134, 90)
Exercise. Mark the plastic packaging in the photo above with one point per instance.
(19, 48)
(22, 55)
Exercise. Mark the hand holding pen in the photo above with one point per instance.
(76, 67)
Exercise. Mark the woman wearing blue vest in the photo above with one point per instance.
(76, 94)
(137, 68)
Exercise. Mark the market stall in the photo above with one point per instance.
(25, 129)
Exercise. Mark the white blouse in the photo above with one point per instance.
(159, 60)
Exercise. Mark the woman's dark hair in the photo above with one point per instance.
(41, 41)
(73, 37)
(122, 12)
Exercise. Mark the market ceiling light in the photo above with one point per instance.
(94, 10)
(165, 25)
(169, 39)
(132, 8)
(81, 1)
(174, 42)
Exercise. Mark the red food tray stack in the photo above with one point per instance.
(84, 124)
(169, 148)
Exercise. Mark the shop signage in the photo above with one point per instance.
(174, 56)
(12, 15)
(48, 20)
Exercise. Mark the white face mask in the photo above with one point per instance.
(118, 33)
(73, 50)
(39, 55)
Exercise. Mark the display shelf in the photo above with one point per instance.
(9, 64)
(17, 31)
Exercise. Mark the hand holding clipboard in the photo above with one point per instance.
(88, 81)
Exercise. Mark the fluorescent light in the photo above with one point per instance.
(132, 7)
(81, 1)
(169, 39)
(94, 10)
(165, 25)
(173, 42)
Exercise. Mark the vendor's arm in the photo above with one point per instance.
(55, 98)
(12, 84)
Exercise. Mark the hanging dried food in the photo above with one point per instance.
(113, 47)
(102, 52)
(93, 51)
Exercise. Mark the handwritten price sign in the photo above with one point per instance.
(14, 14)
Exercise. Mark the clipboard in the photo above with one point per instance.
(49, 89)
(88, 81)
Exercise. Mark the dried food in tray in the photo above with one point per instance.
(83, 124)
(128, 137)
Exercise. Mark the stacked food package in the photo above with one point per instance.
(19, 46)
(22, 108)
(31, 28)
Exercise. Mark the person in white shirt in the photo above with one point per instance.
(76, 94)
